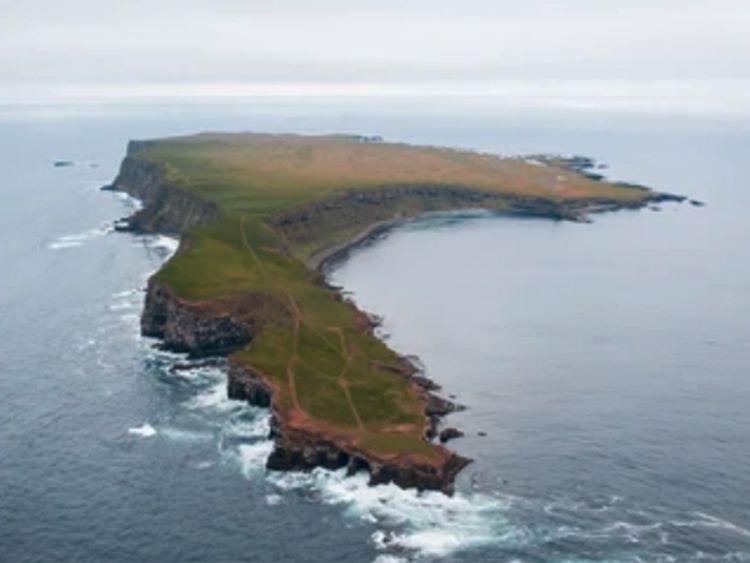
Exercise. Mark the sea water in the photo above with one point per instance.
(604, 365)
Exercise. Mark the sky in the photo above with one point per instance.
(77, 48)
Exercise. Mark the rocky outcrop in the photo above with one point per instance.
(300, 448)
(244, 384)
(420, 476)
(184, 326)
(448, 434)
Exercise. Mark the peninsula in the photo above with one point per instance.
(259, 216)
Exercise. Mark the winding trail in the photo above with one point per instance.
(298, 319)
(343, 382)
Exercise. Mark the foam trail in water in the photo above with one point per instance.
(144, 431)
(73, 241)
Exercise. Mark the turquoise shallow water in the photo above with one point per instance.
(607, 363)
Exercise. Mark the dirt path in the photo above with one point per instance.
(342, 380)
(250, 248)
(298, 319)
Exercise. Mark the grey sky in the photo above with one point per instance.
(51, 45)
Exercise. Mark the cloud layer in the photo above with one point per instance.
(51, 44)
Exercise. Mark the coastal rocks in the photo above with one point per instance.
(185, 327)
(298, 448)
(304, 455)
(438, 406)
(294, 451)
(450, 434)
(246, 385)
(420, 476)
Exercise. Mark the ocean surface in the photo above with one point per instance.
(608, 364)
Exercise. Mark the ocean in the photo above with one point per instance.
(605, 367)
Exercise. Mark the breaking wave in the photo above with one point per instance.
(76, 240)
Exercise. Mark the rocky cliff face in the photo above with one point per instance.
(301, 449)
(199, 330)
(381, 207)
(167, 208)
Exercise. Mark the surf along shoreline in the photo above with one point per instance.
(227, 325)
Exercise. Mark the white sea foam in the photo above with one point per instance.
(75, 240)
(259, 426)
(185, 435)
(168, 245)
(128, 293)
(123, 306)
(708, 521)
(253, 457)
(425, 524)
(144, 431)
(132, 202)
(387, 558)
(215, 397)
(62, 244)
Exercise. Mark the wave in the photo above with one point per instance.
(131, 202)
(163, 245)
(78, 239)
(412, 524)
(703, 520)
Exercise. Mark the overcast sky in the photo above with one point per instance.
(58, 46)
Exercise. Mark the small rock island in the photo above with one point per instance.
(260, 215)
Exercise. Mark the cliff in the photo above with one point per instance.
(167, 208)
(299, 447)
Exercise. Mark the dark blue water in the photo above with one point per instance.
(607, 363)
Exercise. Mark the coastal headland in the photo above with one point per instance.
(259, 216)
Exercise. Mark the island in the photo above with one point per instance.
(259, 217)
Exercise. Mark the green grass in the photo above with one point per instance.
(254, 178)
